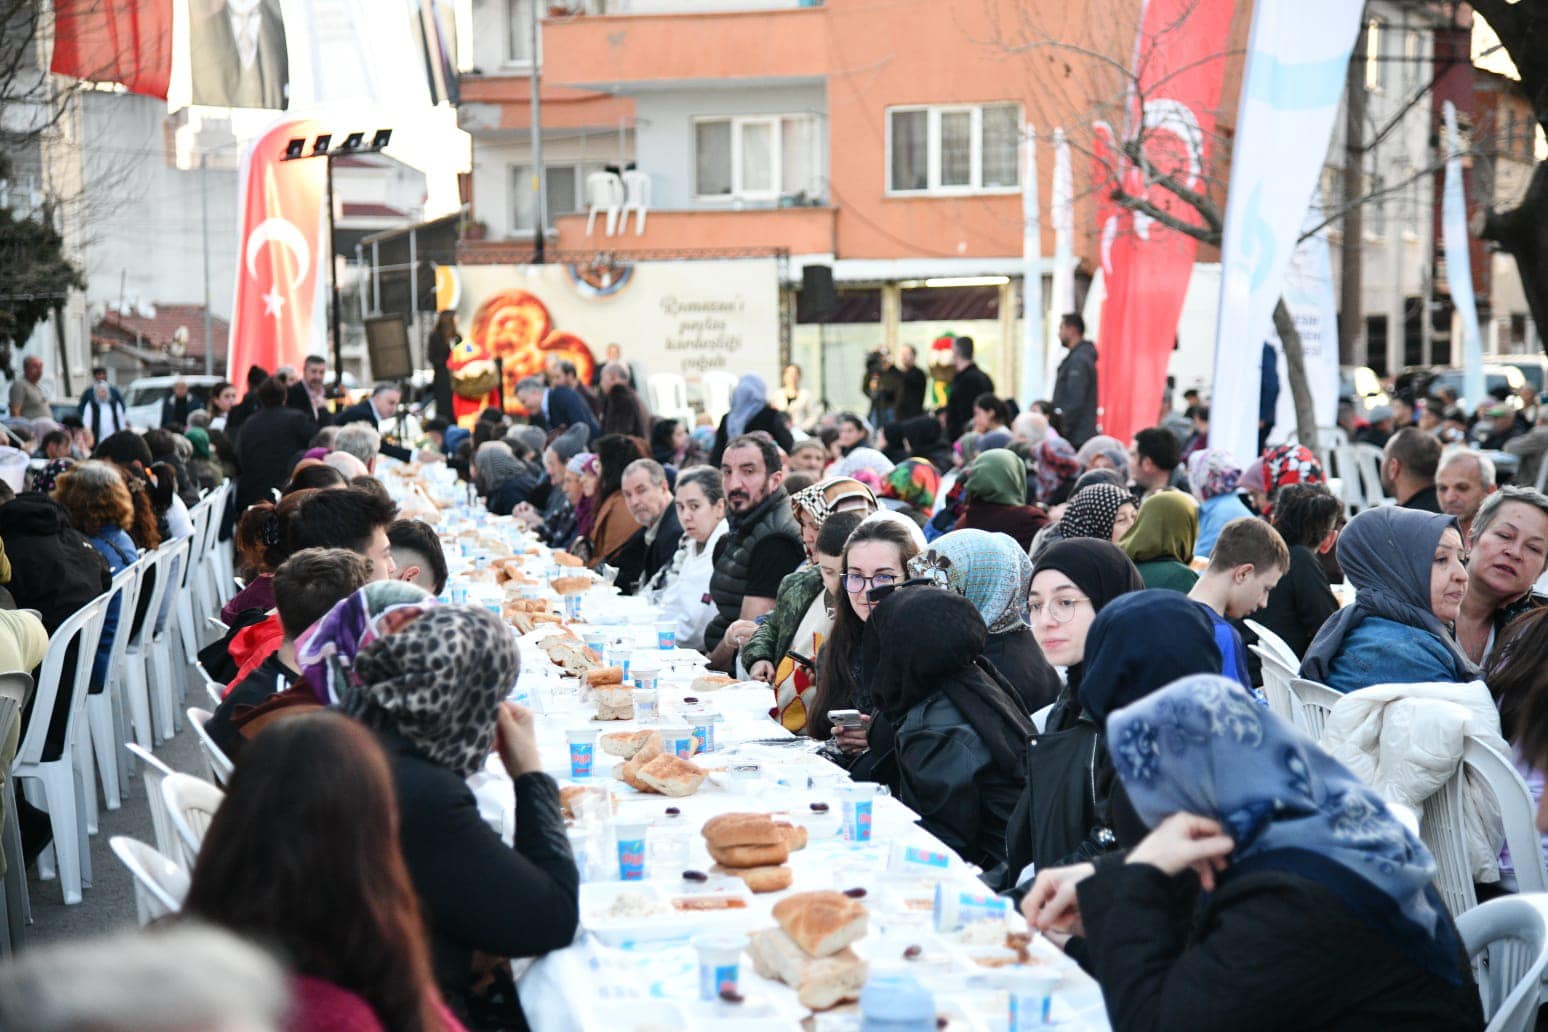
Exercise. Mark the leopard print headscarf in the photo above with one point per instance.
(438, 682)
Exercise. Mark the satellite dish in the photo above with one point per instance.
(179, 345)
(145, 309)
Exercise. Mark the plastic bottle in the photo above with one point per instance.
(896, 1003)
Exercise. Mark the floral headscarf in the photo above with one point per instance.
(863, 459)
(1056, 467)
(1290, 464)
(43, 480)
(1109, 448)
(1092, 512)
(914, 481)
(1211, 473)
(990, 570)
(966, 447)
(439, 683)
(327, 649)
(585, 464)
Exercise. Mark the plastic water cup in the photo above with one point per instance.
(720, 963)
(666, 635)
(572, 607)
(859, 803)
(630, 837)
(647, 706)
(583, 751)
(744, 778)
(596, 641)
(645, 674)
(1031, 998)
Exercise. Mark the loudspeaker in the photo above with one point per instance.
(818, 301)
(387, 344)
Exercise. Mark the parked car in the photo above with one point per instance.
(143, 397)
(1360, 385)
(1420, 381)
(1534, 367)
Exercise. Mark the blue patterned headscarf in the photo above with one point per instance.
(1201, 745)
(988, 569)
(747, 400)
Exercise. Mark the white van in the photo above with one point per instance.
(143, 397)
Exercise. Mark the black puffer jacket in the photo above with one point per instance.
(959, 731)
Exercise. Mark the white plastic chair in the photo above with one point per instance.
(160, 885)
(154, 772)
(605, 193)
(15, 908)
(167, 638)
(105, 709)
(1507, 940)
(191, 805)
(1274, 642)
(1367, 460)
(636, 198)
(669, 396)
(717, 388)
(1442, 830)
(146, 650)
(216, 764)
(59, 784)
(1276, 682)
(1517, 810)
(1313, 702)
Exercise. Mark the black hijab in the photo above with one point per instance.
(923, 438)
(1101, 571)
(1141, 643)
(921, 641)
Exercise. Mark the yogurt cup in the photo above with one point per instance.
(583, 751)
(645, 674)
(859, 805)
(678, 741)
(630, 837)
(720, 963)
(666, 635)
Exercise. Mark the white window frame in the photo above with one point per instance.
(507, 59)
(582, 170)
(739, 190)
(933, 186)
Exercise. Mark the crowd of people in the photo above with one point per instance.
(1042, 630)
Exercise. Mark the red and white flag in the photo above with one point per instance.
(122, 41)
(1180, 62)
(279, 251)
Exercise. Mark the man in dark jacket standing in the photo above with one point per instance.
(968, 384)
(268, 445)
(1075, 385)
(912, 394)
(649, 498)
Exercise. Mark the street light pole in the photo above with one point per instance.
(541, 205)
(204, 211)
(333, 281)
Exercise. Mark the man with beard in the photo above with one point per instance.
(764, 544)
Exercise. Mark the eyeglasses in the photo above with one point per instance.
(1061, 609)
(854, 583)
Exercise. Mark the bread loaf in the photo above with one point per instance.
(750, 856)
(772, 878)
(604, 675)
(819, 983)
(741, 829)
(625, 743)
(711, 682)
(821, 923)
(615, 702)
(671, 776)
(795, 835)
(564, 558)
(628, 772)
(570, 585)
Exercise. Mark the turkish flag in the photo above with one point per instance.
(279, 251)
(122, 41)
(1145, 264)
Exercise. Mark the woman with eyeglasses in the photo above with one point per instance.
(875, 556)
(1062, 816)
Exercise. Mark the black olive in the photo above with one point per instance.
(698, 876)
(855, 893)
(731, 996)
(913, 952)
(819, 808)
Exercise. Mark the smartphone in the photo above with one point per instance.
(802, 661)
(845, 718)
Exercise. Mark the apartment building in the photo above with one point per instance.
(880, 141)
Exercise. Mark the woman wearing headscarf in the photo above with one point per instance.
(586, 471)
(911, 489)
(1274, 890)
(1281, 466)
(1406, 566)
(501, 478)
(1057, 468)
(433, 694)
(1103, 452)
(1101, 511)
(993, 572)
(751, 412)
(326, 651)
(959, 733)
(865, 464)
(1213, 476)
(205, 471)
(554, 516)
(923, 438)
(1138, 642)
(1161, 540)
(613, 524)
(996, 497)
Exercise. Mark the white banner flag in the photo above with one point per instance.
(1459, 265)
(1061, 212)
(1297, 60)
(1308, 294)
(1033, 349)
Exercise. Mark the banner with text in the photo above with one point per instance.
(1297, 59)
(1459, 263)
(683, 317)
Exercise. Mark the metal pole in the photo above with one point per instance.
(333, 280)
(413, 287)
(204, 232)
(541, 207)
